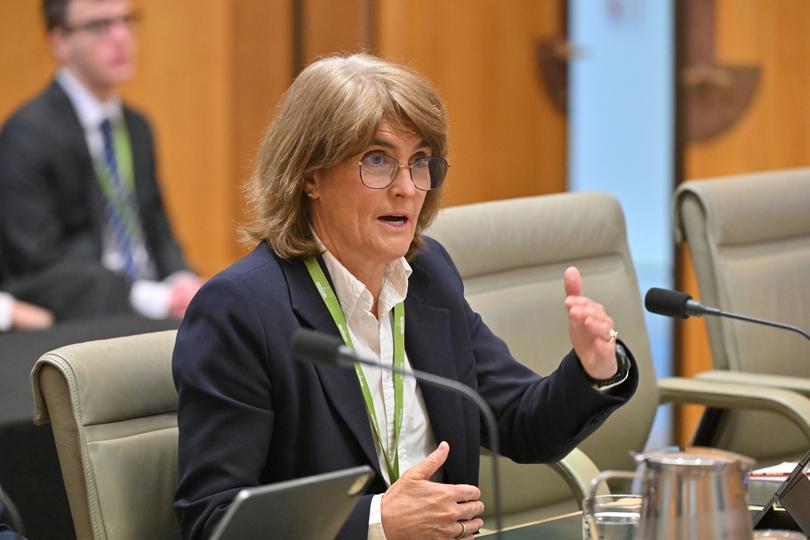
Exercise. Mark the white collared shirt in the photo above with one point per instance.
(6, 307)
(149, 298)
(90, 110)
(372, 338)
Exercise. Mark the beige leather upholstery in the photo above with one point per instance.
(749, 239)
(111, 404)
(511, 255)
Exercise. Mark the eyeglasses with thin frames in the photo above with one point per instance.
(379, 170)
(101, 27)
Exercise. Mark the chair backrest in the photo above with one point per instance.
(749, 240)
(511, 255)
(112, 407)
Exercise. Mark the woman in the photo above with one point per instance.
(348, 175)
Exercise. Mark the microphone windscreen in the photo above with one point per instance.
(310, 346)
(667, 302)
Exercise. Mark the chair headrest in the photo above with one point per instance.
(752, 207)
(113, 379)
(547, 228)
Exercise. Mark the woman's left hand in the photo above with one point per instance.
(590, 328)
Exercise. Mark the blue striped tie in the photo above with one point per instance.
(119, 207)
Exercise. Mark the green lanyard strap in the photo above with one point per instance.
(391, 456)
(118, 196)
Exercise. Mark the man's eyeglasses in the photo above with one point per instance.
(378, 171)
(102, 27)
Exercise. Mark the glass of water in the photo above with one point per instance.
(610, 517)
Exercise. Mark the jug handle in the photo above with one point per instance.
(603, 476)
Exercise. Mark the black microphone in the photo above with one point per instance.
(678, 304)
(319, 348)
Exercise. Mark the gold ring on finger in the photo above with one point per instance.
(463, 532)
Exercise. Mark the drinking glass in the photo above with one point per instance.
(610, 517)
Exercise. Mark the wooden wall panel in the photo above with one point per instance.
(774, 132)
(183, 83)
(262, 71)
(25, 59)
(506, 139)
(333, 27)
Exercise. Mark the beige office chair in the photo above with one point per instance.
(511, 255)
(111, 404)
(749, 239)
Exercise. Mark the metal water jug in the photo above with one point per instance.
(691, 494)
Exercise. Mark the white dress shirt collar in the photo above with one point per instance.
(353, 294)
(90, 110)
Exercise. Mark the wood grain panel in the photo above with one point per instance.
(506, 139)
(333, 27)
(774, 133)
(184, 84)
(263, 70)
(26, 65)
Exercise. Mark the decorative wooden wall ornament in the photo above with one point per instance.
(552, 62)
(715, 95)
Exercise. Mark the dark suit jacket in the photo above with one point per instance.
(52, 209)
(249, 414)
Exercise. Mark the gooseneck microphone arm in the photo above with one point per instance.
(315, 347)
(15, 521)
(766, 322)
(795, 491)
(678, 304)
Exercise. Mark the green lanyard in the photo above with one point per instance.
(115, 196)
(332, 304)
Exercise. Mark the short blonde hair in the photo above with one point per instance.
(329, 114)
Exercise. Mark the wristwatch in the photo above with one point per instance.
(623, 363)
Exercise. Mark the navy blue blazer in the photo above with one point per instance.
(249, 414)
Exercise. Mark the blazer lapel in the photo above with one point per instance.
(67, 121)
(339, 384)
(429, 347)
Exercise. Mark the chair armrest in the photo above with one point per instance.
(786, 403)
(578, 470)
(797, 384)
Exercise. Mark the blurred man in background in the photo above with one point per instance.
(83, 229)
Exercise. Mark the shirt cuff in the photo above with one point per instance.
(151, 298)
(6, 306)
(375, 528)
(170, 279)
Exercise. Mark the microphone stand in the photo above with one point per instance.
(469, 393)
(16, 521)
(794, 493)
(703, 310)
(309, 345)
